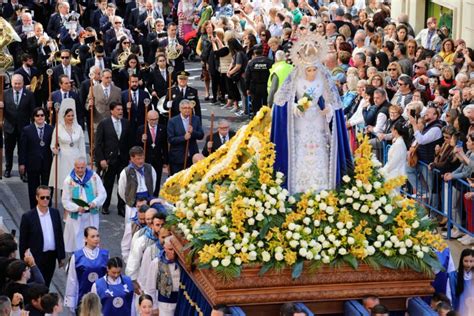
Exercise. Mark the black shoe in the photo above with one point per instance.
(207, 98)
(24, 178)
(121, 212)
(7, 174)
(105, 211)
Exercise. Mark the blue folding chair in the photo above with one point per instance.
(355, 308)
(305, 308)
(418, 307)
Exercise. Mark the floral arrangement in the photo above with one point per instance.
(233, 212)
(304, 103)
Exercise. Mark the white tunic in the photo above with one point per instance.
(74, 228)
(396, 161)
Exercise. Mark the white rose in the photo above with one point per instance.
(189, 215)
(342, 251)
(381, 238)
(370, 250)
(349, 225)
(189, 237)
(296, 236)
(409, 243)
(307, 230)
(324, 194)
(330, 219)
(340, 225)
(294, 243)
(359, 183)
(310, 211)
(279, 175)
(291, 226)
(306, 220)
(259, 217)
(311, 203)
(348, 192)
(349, 200)
(273, 191)
(225, 262)
(342, 202)
(415, 224)
(288, 234)
(372, 211)
(326, 244)
(238, 261)
(252, 247)
(388, 244)
(425, 249)
(316, 223)
(214, 263)
(402, 251)
(321, 238)
(364, 209)
(383, 218)
(362, 197)
(291, 200)
(200, 213)
(388, 253)
(346, 179)
(279, 256)
(350, 240)
(309, 255)
(356, 195)
(326, 259)
(260, 244)
(228, 243)
(356, 206)
(252, 256)
(379, 212)
(379, 229)
(343, 232)
(248, 212)
(407, 231)
(266, 256)
(312, 243)
(331, 238)
(420, 254)
(302, 252)
(238, 246)
(394, 239)
(383, 200)
(327, 230)
(303, 243)
(368, 187)
(231, 250)
(232, 235)
(322, 206)
(330, 210)
(377, 244)
(388, 208)
(331, 251)
(377, 185)
(251, 221)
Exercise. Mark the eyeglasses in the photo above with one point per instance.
(39, 115)
(126, 43)
(46, 197)
(118, 22)
(65, 57)
(402, 84)
(392, 69)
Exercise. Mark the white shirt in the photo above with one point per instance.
(106, 90)
(117, 126)
(49, 243)
(109, 281)
(67, 70)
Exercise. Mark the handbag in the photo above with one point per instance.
(412, 157)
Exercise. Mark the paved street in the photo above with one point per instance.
(14, 194)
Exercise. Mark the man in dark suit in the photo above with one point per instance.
(65, 68)
(156, 146)
(57, 20)
(113, 36)
(34, 153)
(97, 14)
(172, 39)
(183, 91)
(222, 136)
(136, 104)
(112, 142)
(99, 60)
(27, 70)
(42, 233)
(65, 92)
(180, 131)
(18, 105)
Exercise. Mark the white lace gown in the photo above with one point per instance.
(67, 153)
(311, 140)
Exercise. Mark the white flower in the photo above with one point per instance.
(291, 226)
(252, 256)
(307, 230)
(348, 192)
(322, 206)
(332, 251)
(228, 243)
(252, 247)
(288, 234)
(214, 263)
(266, 256)
(370, 197)
(231, 250)
(225, 262)
(273, 191)
(279, 256)
(279, 175)
(326, 259)
(381, 238)
(294, 243)
(306, 220)
(356, 195)
(238, 261)
(342, 251)
(346, 179)
(303, 243)
(260, 217)
(291, 200)
(356, 206)
(302, 252)
(238, 246)
(309, 211)
(359, 183)
(377, 185)
(349, 225)
(394, 239)
(260, 244)
(343, 232)
(189, 215)
(251, 221)
(316, 223)
(372, 211)
(383, 200)
(331, 237)
(321, 238)
(340, 225)
(425, 249)
(311, 203)
(388, 208)
(309, 255)
(330, 219)
(327, 230)
(350, 240)
(420, 254)
(189, 237)
(407, 231)
(379, 229)
(330, 210)
(377, 244)
(409, 243)
(383, 218)
(388, 253)
(370, 250)
(326, 244)
(232, 235)
(368, 187)
(248, 212)
(388, 244)
(349, 200)
(402, 251)
(324, 194)
(364, 209)
(296, 236)
(415, 224)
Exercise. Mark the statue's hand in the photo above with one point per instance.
(297, 112)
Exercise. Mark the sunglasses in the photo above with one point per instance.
(39, 115)
(392, 69)
(65, 57)
(45, 197)
(402, 84)
(118, 22)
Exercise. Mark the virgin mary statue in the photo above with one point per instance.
(308, 127)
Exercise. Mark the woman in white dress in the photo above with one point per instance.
(309, 152)
(71, 144)
(397, 154)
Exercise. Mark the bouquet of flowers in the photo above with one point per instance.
(304, 103)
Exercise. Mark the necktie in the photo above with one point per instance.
(428, 42)
(66, 72)
(118, 128)
(153, 134)
(182, 92)
(17, 98)
(64, 95)
(40, 133)
(106, 93)
(223, 139)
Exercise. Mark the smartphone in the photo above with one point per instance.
(89, 40)
(459, 144)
